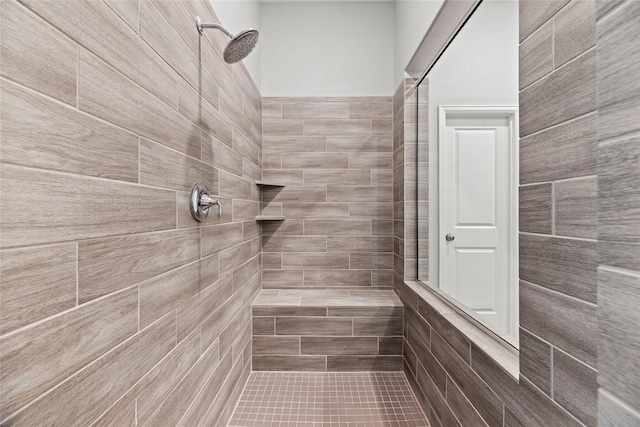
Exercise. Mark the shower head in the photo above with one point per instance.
(239, 46)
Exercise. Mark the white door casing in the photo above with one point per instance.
(478, 209)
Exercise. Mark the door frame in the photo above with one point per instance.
(511, 114)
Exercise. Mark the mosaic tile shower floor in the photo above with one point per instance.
(305, 399)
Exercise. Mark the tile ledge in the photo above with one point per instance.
(503, 353)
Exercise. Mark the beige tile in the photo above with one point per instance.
(172, 409)
(216, 153)
(359, 244)
(315, 110)
(337, 127)
(114, 209)
(122, 413)
(202, 111)
(272, 160)
(244, 210)
(364, 363)
(277, 279)
(221, 409)
(36, 283)
(290, 227)
(315, 210)
(337, 177)
(314, 326)
(271, 261)
(359, 194)
(242, 274)
(163, 167)
(287, 177)
(128, 10)
(162, 294)
(315, 261)
(294, 244)
(39, 132)
(294, 193)
(275, 127)
(574, 30)
(234, 186)
(294, 143)
(233, 112)
(276, 345)
(315, 161)
(337, 227)
(158, 383)
(336, 278)
(377, 211)
(40, 357)
(216, 238)
(104, 92)
(109, 264)
(271, 109)
(36, 55)
(289, 363)
(359, 144)
(375, 260)
(101, 31)
(232, 258)
(382, 127)
(370, 110)
(536, 55)
(217, 322)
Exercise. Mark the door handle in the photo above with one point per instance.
(449, 237)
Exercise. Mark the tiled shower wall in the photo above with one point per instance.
(117, 307)
(618, 213)
(460, 383)
(334, 156)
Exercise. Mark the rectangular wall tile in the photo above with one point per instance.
(36, 283)
(337, 278)
(564, 265)
(315, 110)
(377, 326)
(574, 30)
(315, 161)
(575, 386)
(37, 358)
(536, 205)
(318, 326)
(573, 330)
(339, 345)
(536, 55)
(575, 207)
(115, 207)
(363, 363)
(37, 55)
(337, 127)
(276, 345)
(315, 261)
(289, 363)
(535, 360)
(38, 132)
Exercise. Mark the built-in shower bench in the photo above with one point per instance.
(327, 330)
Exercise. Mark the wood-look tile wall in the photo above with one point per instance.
(117, 307)
(558, 260)
(618, 32)
(334, 156)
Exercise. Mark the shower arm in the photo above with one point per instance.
(201, 26)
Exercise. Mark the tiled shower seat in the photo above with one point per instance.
(327, 330)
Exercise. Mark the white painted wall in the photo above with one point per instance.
(327, 49)
(480, 67)
(237, 15)
(412, 20)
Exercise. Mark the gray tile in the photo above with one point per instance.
(565, 151)
(377, 326)
(438, 404)
(295, 244)
(364, 363)
(273, 344)
(535, 208)
(339, 345)
(359, 244)
(534, 13)
(575, 386)
(618, 72)
(479, 394)
(289, 363)
(603, 7)
(445, 329)
(564, 265)
(315, 261)
(536, 55)
(294, 143)
(575, 207)
(460, 405)
(274, 279)
(618, 198)
(565, 94)
(573, 327)
(314, 326)
(390, 346)
(337, 278)
(614, 413)
(619, 344)
(315, 110)
(264, 325)
(574, 30)
(337, 127)
(535, 361)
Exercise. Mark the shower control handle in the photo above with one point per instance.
(449, 237)
(200, 202)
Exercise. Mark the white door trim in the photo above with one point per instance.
(511, 113)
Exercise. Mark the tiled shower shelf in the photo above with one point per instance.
(269, 184)
(270, 218)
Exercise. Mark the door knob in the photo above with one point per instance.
(449, 237)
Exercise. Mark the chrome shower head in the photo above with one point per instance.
(239, 46)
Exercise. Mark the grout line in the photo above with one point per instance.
(551, 376)
(579, 239)
(558, 293)
(553, 208)
(77, 274)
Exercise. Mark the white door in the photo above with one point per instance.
(475, 198)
